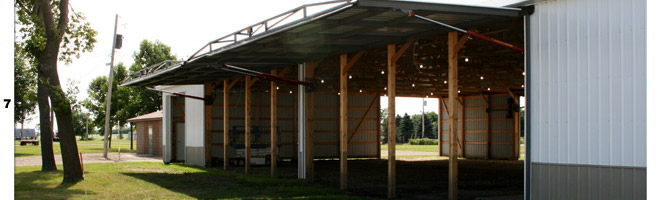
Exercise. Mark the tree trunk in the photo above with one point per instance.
(47, 158)
(22, 129)
(62, 107)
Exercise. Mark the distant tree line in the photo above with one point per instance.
(410, 127)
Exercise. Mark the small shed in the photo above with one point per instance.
(148, 133)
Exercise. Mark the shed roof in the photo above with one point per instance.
(155, 116)
(346, 27)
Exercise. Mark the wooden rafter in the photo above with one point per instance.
(513, 95)
(353, 61)
(401, 51)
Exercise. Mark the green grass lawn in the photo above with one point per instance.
(147, 180)
(407, 147)
(94, 146)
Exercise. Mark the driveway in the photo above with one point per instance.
(90, 158)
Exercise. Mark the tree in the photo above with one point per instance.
(384, 116)
(143, 101)
(416, 121)
(80, 119)
(48, 36)
(96, 101)
(25, 91)
(398, 128)
(433, 120)
(406, 128)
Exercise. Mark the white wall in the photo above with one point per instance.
(588, 82)
(194, 112)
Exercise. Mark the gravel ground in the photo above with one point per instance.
(410, 153)
(90, 158)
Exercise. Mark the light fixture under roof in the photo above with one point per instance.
(322, 81)
(488, 89)
(350, 76)
(382, 71)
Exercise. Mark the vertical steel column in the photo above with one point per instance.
(527, 107)
(301, 94)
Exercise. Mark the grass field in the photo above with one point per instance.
(160, 181)
(93, 146)
(407, 147)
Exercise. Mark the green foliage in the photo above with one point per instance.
(423, 141)
(143, 101)
(384, 116)
(405, 130)
(96, 102)
(430, 121)
(25, 87)
(78, 37)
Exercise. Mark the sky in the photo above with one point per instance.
(185, 26)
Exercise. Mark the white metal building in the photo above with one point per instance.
(585, 88)
(586, 99)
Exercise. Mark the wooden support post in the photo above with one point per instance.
(452, 119)
(310, 128)
(440, 125)
(343, 122)
(463, 126)
(208, 126)
(226, 123)
(132, 138)
(391, 120)
(489, 129)
(274, 126)
(379, 128)
(247, 125)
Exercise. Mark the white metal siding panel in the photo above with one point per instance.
(194, 113)
(588, 82)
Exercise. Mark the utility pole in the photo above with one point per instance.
(110, 92)
(423, 120)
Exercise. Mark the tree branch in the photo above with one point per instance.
(46, 16)
(64, 17)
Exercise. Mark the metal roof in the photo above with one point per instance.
(155, 116)
(345, 27)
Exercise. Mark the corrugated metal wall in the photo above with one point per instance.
(473, 133)
(326, 113)
(588, 99)
(588, 84)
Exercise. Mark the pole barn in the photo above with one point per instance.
(303, 87)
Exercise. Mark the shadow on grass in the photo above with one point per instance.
(24, 154)
(39, 185)
(217, 184)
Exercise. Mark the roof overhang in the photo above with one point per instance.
(347, 27)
